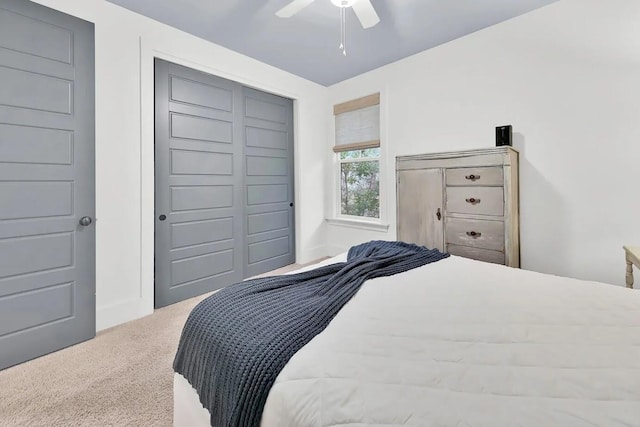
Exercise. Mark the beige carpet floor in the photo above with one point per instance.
(123, 377)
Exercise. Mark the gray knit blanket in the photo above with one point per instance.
(235, 343)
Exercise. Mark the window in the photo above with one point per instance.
(357, 146)
(360, 183)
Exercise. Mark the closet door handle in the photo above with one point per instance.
(473, 234)
(472, 177)
(438, 214)
(472, 200)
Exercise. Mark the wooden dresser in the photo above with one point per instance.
(464, 203)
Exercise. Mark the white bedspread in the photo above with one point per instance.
(465, 343)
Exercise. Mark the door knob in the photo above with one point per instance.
(85, 221)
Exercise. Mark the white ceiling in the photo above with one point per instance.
(307, 44)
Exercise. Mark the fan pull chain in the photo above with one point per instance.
(343, 30)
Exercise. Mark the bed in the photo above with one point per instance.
(461, 343)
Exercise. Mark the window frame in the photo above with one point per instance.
(334, 208)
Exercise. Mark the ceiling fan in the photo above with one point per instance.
(363, 9)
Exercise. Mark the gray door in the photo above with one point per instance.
(224, 182)
(47, 259)
(198, 202)
(268, 130)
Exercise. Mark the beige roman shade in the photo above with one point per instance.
(357, 124)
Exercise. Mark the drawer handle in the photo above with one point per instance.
(438, 214)
(472, 177)
(473, 201)
(473, 234)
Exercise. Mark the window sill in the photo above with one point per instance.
(356, 223)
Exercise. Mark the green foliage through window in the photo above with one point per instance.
(360, 183)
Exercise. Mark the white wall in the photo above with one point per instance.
(125, 46)
(567, 77)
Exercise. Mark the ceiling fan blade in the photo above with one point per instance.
(366, 13)
(292, 8)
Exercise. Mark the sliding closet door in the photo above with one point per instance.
(199, 207)
(224, 182)
(47, 204)
(268, 127)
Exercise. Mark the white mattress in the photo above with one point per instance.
(464, 343)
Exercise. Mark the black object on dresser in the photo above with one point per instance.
(503, 135)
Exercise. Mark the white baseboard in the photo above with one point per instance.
(312, 254)
(122, 312)
(333, 250)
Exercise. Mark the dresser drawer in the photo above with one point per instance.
(479, 254)
(487, 176)
(476, 200)
(475, 233)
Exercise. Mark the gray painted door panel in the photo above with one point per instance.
(198, 246)
(269, 236)
(224, 181)
(47, 260)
